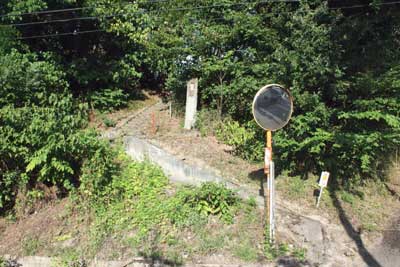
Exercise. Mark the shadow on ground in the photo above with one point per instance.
(291, 262)
(367, 257)
(258, 175)
(153, 256)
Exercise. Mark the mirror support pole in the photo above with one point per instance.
(266, 186)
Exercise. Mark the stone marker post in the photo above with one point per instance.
(191, 103)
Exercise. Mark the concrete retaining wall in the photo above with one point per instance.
(177, 170)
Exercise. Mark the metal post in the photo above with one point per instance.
(272, 201)
(268, 185)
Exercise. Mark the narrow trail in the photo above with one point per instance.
(327, 242)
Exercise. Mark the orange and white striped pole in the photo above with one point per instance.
(267, 187)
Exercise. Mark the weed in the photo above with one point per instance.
(136, 201)
(109, 122)
(31, 245)
(347, 197)
(299, 253)
(252, 202)
(69, 257)
(207, 122)
(211, 243)
(63, 237)
(269, 249)
(212, 198)
(246, 251)
(283, 249)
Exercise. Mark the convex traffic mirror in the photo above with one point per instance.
(272, 107)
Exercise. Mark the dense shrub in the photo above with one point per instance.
(208, 122)
(108, 99)
(346, 117)
(211, 199)
(140, 198)
(41, 135)
(27, 80)
(47, 145)
(246, 140)
(341, 64)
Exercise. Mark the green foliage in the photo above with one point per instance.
(69, 257)
(109, 122)
(212, 199)
(347, 197)
(300, 254)
(31, 245)
(247, 141)
(138, 200)
(208, 122)
(27, 80)
(41, 138)
(108, 99)
(37, 145)
(346, 109)
(246, 252)
(345, 113)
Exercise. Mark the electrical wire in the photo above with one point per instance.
(41, 12)
(367, 5)
(144, 12)
(164, 10)
(59, 34)
(50, 21)
(162, 1)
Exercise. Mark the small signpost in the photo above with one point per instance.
(323, 182)
(272, 109)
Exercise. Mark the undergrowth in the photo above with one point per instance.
(140, 201)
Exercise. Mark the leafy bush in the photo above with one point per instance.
(108, 99)
(48, 145)
(109, 122)
(211, 198)
(208, 122)
(27, 80)
(247, 141)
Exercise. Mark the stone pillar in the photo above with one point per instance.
(191, 103)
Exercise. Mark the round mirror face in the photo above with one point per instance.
(272, 107)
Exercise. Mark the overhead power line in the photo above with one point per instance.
(40, 12)
(51, 11)
(51, 21)
(160, 1)
(59, 34)
(367, 5)
(219, 5)
(163, 10)
(140, 12)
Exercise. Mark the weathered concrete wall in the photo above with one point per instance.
(177, 170)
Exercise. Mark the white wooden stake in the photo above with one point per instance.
(319, 196)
